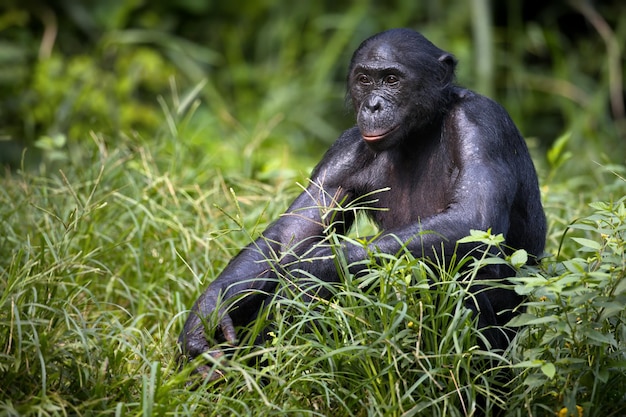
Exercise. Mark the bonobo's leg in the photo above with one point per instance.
(494, 305)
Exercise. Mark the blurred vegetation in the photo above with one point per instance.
(272, 73)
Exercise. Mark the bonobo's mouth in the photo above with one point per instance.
(375, 137)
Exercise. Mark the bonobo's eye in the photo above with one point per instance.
(391, 80)
(363, 79)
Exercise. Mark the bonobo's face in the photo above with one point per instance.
(396, 84)
(378, 87)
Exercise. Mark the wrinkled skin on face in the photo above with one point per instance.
(392, 92)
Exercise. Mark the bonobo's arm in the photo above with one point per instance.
(237, 293)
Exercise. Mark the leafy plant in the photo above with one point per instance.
(572, 343)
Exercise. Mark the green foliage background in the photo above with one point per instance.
(144, 143)
(273, 72)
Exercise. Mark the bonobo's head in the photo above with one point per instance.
(398, 82)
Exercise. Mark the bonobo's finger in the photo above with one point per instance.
(228, 329)
(210, 373)
(206, 372)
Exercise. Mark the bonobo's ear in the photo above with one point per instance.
(449, 65)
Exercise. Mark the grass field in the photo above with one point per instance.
(103, 256)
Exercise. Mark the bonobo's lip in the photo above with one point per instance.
(375, 138)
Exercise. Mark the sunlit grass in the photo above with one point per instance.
(102, 260)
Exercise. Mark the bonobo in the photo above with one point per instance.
(449, 160)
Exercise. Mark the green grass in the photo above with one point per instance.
(102, 259)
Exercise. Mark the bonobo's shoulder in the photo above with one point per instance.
(466, 97)
(344, 154)
(349, 141)
(480, 110)
(350, 136)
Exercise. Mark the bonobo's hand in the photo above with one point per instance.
(194, 342)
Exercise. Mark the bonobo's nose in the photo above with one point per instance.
(374, 103)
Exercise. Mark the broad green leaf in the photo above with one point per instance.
(519, 258)
(588, 243)
(548, 369)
